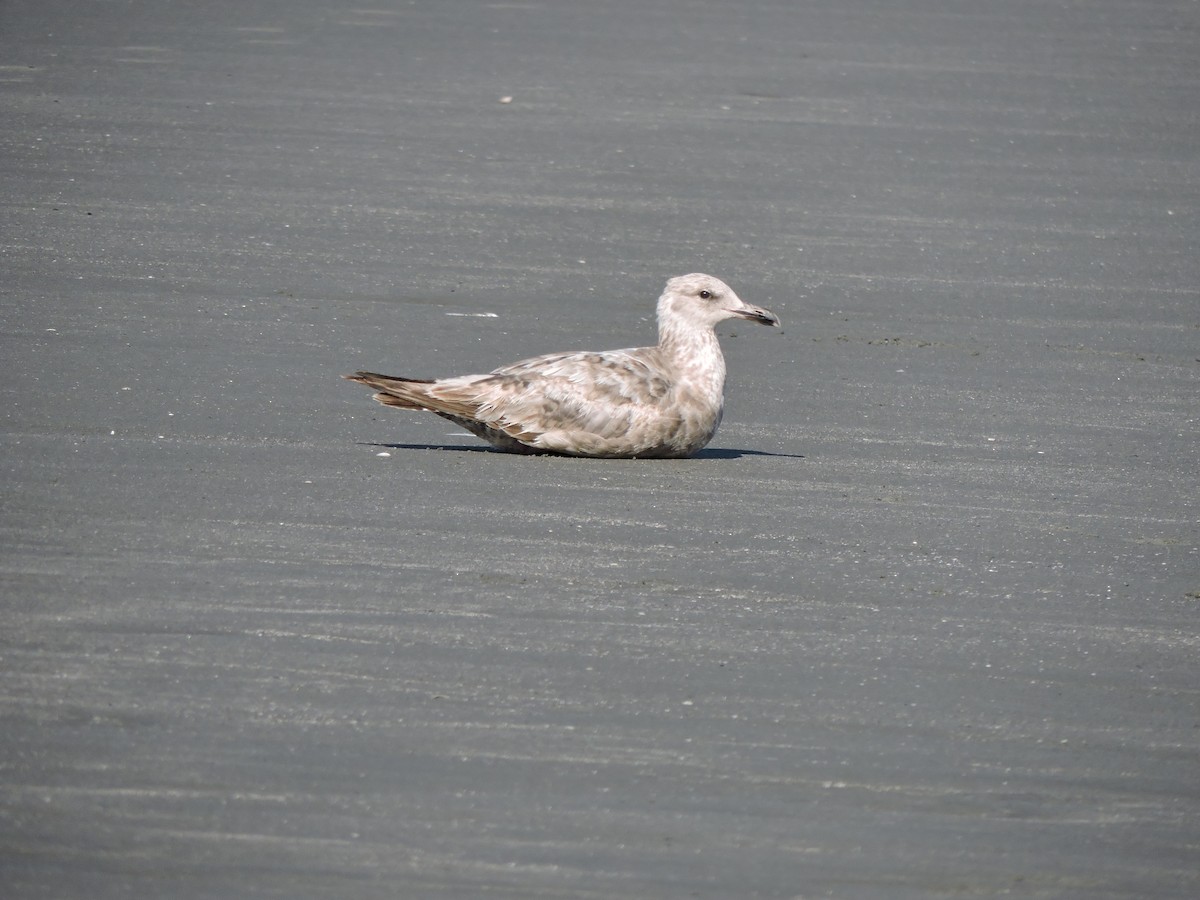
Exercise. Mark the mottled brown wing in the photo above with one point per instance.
(604, 394)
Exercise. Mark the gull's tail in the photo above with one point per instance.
(405, 393)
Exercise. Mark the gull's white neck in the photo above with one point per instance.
(694, 352)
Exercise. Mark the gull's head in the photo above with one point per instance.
(703, 301)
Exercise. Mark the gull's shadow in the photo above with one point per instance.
(710, 453)
(458, 448)
(730, 453)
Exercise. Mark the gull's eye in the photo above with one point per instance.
(706, 295)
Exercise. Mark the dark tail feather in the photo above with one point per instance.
(393, 391)
(375, 380)
(410, 393)
(398, 402)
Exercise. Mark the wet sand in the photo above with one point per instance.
(921, 620)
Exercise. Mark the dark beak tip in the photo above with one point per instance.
(761, 316)
(767, 318)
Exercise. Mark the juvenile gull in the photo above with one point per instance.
(661, 401)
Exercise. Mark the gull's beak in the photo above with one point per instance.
(756, 314)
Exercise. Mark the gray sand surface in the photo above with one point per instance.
(922, 621)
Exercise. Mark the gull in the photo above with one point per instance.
(660, 401)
